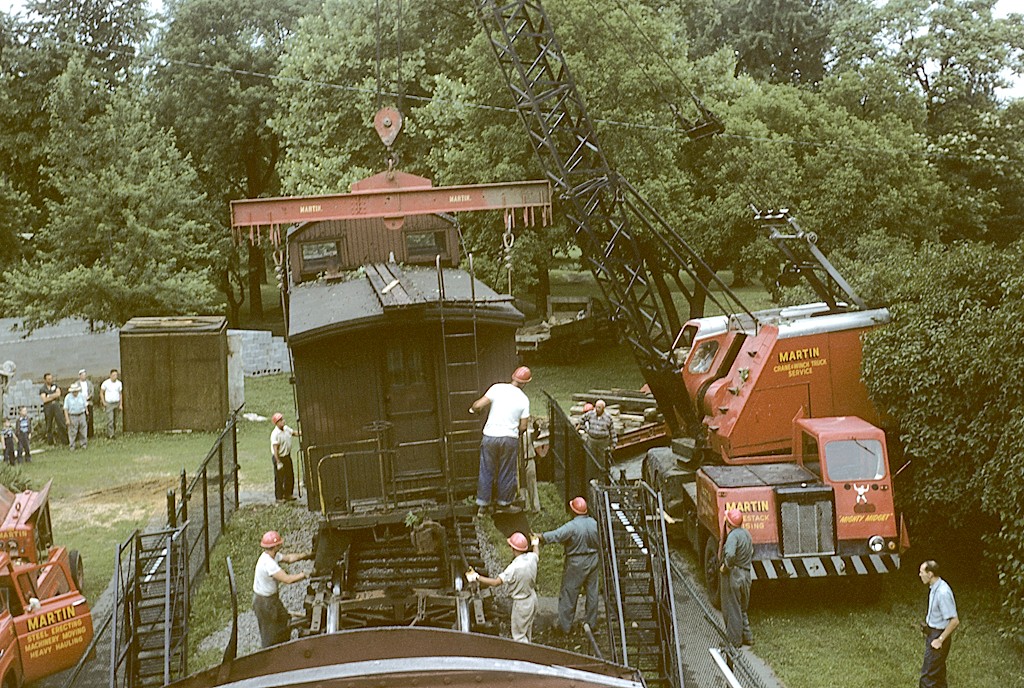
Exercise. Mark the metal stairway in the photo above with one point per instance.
(152, 646)
(460, 355)
(638, 582)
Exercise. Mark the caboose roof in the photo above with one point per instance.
(386, 292)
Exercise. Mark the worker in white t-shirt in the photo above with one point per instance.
(281, 456)
(271, 614)
(508, 418)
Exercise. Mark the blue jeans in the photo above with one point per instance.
(497, 460)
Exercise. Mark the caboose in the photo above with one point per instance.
(391, 343)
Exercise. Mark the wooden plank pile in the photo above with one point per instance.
(635, 414)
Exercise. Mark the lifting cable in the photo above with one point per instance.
(380, 89)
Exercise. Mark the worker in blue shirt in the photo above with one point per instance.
(580, 539)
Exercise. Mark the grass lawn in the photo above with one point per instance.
(99, 496)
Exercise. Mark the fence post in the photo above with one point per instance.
(172, 516)
(206, 520)
(234, 455)
(220, 476)
(184, 496)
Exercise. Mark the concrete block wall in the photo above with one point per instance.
(23, 393)
(262, 353)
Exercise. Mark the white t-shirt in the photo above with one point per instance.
(111, 391)
(263, 582)
(509, 404)
(282, 437)
(86, 389)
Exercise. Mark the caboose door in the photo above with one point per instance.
(410, 401)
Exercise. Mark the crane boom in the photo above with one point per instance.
(622, 238)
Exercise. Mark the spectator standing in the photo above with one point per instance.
(112, 391)
(281, 455)
(74, 417)
(271, 615)
(88, 391)
(599, 430)
(582, 564)
(508, 418)
(50, 394)
(940, 622)
(23, 431)
(7, 442)
(737, 556)
(530, 451)
(521, 578)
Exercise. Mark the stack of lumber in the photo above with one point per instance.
(636, 415)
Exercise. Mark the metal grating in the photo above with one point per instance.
(808, 528)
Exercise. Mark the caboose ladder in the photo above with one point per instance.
(460, 354)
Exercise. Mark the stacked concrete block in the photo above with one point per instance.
(262, 353)
(23, 393)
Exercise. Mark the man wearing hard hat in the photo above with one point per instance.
(581, 569)
(271, 614)
(737, 556)
(521, 578)
(508, 418)
(281, 455)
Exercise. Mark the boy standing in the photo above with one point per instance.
(23, 433)
(7, 440)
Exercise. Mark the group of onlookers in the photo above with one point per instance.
(70, 413)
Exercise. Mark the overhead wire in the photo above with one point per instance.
(674, 131)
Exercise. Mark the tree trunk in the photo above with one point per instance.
(543, 290)
(257, 275)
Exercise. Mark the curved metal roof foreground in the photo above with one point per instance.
(404, 656)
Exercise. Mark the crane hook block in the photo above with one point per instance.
(388, 122)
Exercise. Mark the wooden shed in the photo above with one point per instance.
(386, 367)
(175, 373)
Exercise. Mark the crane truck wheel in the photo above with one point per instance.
(711, 579)
(77, 569)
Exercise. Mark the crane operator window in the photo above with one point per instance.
(703, 357)
(854, 460)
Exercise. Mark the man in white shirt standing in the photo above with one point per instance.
(88, 391)
(113, 402)
(508, 418)
(281, 456)
(271, 614)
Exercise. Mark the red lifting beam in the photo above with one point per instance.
(392, 203)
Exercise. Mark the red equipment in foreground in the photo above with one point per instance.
(45, 621)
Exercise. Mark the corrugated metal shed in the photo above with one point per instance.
(175, 373)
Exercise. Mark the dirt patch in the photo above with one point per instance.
(136, 501)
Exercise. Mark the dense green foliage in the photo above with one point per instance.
(881, 125)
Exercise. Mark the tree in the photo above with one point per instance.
(780, 41)
(949, 371)
(216, 90)
(125, 235)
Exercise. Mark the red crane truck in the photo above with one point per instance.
(45, 620)
(733, 389)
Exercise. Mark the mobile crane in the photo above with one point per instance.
(768, 408)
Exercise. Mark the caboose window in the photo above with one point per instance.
(854, 460)
(425, 245)
(319, 255)
(406, 366)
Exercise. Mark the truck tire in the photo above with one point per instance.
(711, 573)
(77, 569)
